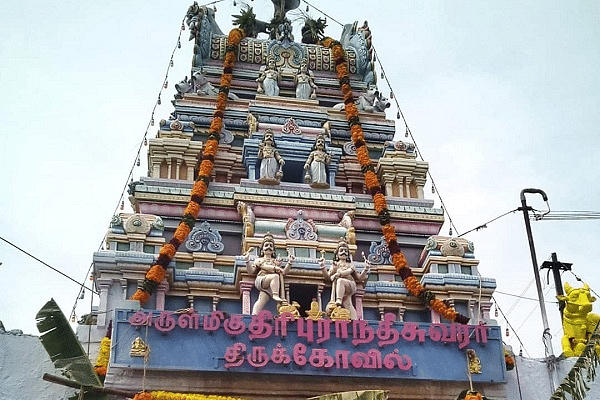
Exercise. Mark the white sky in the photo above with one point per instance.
(499, 96)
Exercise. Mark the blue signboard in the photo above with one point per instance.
(283, 344)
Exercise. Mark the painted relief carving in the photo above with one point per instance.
(300, 229)
(205, 239)
(269, 274)
(269, 79)
(316, 166)
(271, 163)
(371, 101)
(379, 253)
(452, 248)
(305, 83)
(252, 124)
(291, 127)
(343, 276)
(348, 223)
(248, 218)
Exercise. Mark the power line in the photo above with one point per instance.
(508, 323)
(523, 297)
(484, 225)
(567, 216)
(46, 264)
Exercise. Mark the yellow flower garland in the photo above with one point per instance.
(103, 356)
(161, 395)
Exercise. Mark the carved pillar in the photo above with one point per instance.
(401, 311)
(123, 283)
(358, 299)
(473, 311)
(156, 169)
(287, 291)
(215, 303)
(405, 186)
(485, 307)
(245, 288)
(251, 172)
(388, 182)
(332, 177)
(320, 296)
(104, 286)
(169, 168)
(190, 298)
(178, 170)
(190, 173)
(381, 310)
(161, 291)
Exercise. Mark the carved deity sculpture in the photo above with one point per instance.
(271, 163)
(315, 168)
(347, 222)
(269, 79)
(252, 124)
(269, 274)
(344, 277)
(305, 83)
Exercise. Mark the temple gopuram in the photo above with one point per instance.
(284, 283)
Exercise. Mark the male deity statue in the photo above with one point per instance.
(269, 79)
(344, 277)
(315, 168)
(269, 274)
(271, 163)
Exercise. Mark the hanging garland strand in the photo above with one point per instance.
(374, 187)
(162, 395)
(158, 271)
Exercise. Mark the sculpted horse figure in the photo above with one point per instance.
(578, 320)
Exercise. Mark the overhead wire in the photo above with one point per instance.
(485, 224)
(509, 324)
(567, 216)
(45, 263)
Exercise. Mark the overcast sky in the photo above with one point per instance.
(500, 96)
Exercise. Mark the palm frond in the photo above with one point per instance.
(62, 345)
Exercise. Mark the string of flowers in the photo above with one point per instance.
(161, 395)
(374, 187)
(156, 274)
(104, 354)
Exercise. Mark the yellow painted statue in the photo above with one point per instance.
(578, 320)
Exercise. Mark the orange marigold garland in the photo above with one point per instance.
(157, 272)
(373, 185)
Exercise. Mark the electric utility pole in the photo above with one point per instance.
(546, 336)
(557, 266)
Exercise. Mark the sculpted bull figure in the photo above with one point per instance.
(578, 320)
(371, 101)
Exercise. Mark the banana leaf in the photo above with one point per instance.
(62, 346)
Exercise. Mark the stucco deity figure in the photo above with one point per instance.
(315, 168)
(305, 83)
(252, 124)
(269, 274)
(271, 163)
(269, 79)
(344, 277)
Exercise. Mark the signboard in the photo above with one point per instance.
(282, 344)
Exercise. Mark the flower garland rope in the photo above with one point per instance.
(374, 187)
(161, 395)
(156, 274)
